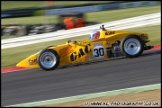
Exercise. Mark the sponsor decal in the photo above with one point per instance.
(98, 43)
(109, 32)
(81, 52)
(91, 58)
(32, 62)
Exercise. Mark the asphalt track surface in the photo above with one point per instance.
(37, 85)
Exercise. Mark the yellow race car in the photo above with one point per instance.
(102, 44)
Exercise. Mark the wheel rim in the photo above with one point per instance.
(48, 60)
(132, 46)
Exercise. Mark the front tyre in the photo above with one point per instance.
(48, 59)
(132, 46)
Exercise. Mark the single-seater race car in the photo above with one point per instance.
(102, 44)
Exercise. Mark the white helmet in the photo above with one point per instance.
(94, 35)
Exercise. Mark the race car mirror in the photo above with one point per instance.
(69, 41)
(102, 27)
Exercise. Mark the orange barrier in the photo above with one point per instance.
(79, 23)
(69, 23)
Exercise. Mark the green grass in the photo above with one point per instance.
(7, 37)
(6, 5)
(10, 57)
(112, 15)
(101, 16)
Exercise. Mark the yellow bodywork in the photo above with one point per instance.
(71, 53)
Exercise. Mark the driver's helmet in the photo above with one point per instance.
(94, 35)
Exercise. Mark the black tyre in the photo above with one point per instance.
(48, 59)
(132, 46)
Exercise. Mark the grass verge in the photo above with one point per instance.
(6, 5)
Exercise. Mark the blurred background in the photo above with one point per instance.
(22, 18)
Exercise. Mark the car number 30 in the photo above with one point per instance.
(98, 52)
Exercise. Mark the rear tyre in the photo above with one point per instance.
(132, 46)
(48, 59)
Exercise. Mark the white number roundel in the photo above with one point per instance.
(98, 52)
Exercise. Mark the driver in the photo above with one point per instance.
(95, 35)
